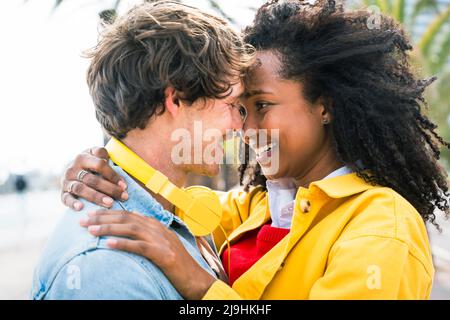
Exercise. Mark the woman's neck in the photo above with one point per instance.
(325, 164)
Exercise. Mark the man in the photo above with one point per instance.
(161, 67)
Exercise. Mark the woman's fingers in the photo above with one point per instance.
(150, 237)
(138, 247)
(80, 189)
(120, 223)
(110, 175)
(111, 217)
(70, 201)
(99, 152)
(103, 186)
(96, 164)
(130, 230)
(132, 215)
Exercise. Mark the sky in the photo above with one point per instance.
(46, 112)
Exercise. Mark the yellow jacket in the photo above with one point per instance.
(348, 240)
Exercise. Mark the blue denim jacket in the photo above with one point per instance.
(78, 265)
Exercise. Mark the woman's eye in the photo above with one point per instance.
(261, 105)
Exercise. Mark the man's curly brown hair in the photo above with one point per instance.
(379, 126)
(155, 45)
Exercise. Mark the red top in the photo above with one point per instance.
(250, 248)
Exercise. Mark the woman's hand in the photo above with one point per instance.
(151, 239)
(100, 185)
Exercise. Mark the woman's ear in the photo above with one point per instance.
(171, 102)
(324, 106)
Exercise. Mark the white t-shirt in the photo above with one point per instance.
(281, 193)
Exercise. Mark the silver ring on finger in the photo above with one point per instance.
(81, 175)
(71, 185)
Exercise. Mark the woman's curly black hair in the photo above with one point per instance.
(360, 65)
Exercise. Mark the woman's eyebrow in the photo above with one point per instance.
(249, 93)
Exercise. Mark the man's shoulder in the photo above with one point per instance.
(103, 273)
(67, 240)
(72, 251)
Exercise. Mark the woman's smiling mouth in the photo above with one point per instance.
(264, 153)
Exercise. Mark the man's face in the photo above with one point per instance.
(208, 121)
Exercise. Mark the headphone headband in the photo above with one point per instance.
(198, 206)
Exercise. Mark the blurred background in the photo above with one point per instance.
(47, 116)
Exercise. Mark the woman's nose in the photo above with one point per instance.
(250, 123)
(250, 130)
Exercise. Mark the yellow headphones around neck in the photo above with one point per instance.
(198, 206)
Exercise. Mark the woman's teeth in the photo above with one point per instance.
(260, 151)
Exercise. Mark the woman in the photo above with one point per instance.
(343, 218)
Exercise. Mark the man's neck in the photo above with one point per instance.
(157, 155)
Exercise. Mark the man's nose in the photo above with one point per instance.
(237, 121)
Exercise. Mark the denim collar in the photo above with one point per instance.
(141, 201)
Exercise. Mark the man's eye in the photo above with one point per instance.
(243, 112)
(241, 109)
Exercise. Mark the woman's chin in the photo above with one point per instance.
(271, 169)
(270, 173)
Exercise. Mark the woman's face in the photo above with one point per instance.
(303, 141)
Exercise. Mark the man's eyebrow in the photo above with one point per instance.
(233, 98)
(248, 93)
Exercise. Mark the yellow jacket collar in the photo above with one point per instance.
(342, 186)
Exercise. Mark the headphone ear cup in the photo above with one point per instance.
(200, 220)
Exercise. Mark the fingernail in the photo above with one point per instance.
(92, 213)
(111, 242)
(124, 195)
(84, 221)
(93, 229)
(108, 201)
(122, 185)
(78, 205)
